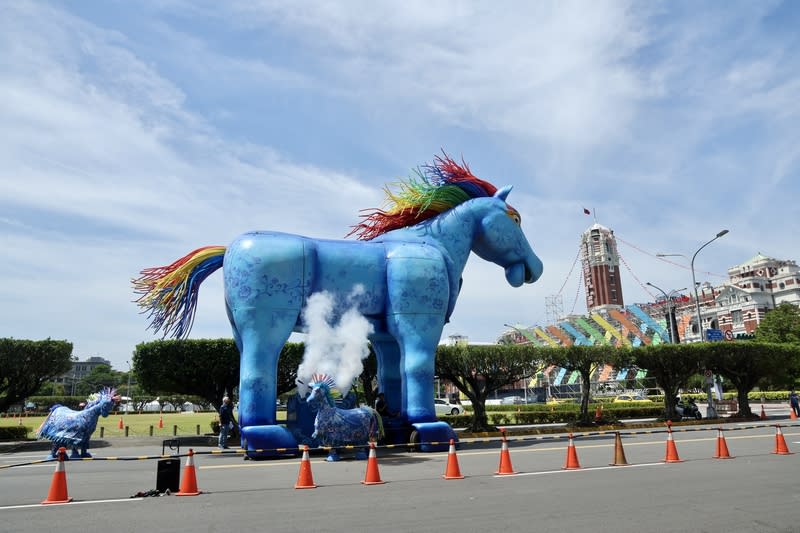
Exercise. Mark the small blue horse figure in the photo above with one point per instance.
(409, 259)
(334, 427)
(73, 429)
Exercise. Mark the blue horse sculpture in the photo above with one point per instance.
(73, 429)
(409, 262)
(334, 427)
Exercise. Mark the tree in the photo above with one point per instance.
(25, 365)
(671, 365)
(99, 377)
(207, 368)
(745, 364)
(478, 371)
(782, 324)
(584, 360)
(288, 362)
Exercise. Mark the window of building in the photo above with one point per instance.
(736, 317)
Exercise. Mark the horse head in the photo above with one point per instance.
(321, 392)
(104, 401)
(499, 239)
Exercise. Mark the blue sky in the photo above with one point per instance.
(134, 132)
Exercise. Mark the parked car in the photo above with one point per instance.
(631, 398)
(512, 400)
(443, 407)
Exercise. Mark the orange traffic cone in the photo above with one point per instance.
(792, 416)
(120, 426)
(373, 476)
(780, 443)
(505, 467)
(763, 413)
(58, 485)
(452, 471)
(619, 453)
(189, 479)
(160, 422)
(304, 478)
(722, 446)
(598, 413)
(572, 456)
(672, 451)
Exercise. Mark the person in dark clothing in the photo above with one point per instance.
(382, 407)
(794, 402)
(226, 422)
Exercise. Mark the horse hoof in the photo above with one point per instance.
(333, 457)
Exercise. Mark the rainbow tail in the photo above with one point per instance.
(169, 293)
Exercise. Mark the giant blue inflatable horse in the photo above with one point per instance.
(409, 264)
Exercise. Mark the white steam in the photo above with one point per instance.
(334, 349)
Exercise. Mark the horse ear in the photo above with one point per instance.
(503, 193)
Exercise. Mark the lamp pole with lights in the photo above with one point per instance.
(711, 412)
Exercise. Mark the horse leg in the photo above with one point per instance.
(75, 453)
(390, 381)
(258, 387)
(333, 456)
(264, 291)
(418, 336)
(85, 447)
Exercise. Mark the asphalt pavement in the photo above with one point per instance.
(754, 491)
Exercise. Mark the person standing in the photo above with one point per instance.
(794, 402)
(226, 422)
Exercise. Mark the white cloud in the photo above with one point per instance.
(128, 140)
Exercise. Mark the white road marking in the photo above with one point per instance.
(563, 470)
(29, 506)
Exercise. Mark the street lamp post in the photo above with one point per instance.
(670, 307)
(711, 412)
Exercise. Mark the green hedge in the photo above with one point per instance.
(43, 403)
(14, 433)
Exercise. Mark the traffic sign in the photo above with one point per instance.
(713, 335)
(728, 335)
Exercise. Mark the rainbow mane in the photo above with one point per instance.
(169, 293)
(436, 188)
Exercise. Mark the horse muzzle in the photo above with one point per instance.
(525, 272)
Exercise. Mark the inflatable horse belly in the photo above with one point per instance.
(340, 267)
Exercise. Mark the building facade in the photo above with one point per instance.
(79, 370)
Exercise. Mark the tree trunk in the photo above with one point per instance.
(480, 422)
(585, 391)
(744, 402)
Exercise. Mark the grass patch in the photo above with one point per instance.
(138, 424)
